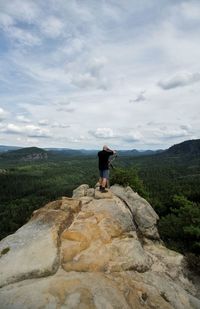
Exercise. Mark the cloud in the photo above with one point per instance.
(186, 127)
(34, 131)
(102, 133)
(12, 19)
(3, 114)
(60, 125)
(23, 37)
(179, 80)
(166, 132)
(66, 109)
(63, 103)
(23, 118)
(139, 98)
(20, 10)
(26, 130)
(132, 137)
(78, 139)
(64, 106)
(73, 47)
(12, 129)
(5, 21)
(52, 27)
(190, 11)
(43, 122)
(87, 73)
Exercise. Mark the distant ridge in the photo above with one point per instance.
(25, 154)
(8, 148)
(138, 153)
(190, 147)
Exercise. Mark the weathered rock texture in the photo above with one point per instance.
(94, 250)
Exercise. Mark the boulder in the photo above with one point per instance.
(33, 251)
(80, 191)
(144, 215)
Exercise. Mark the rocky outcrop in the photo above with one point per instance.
(3, 171)
(142, 212)
(35, 157)
(94, 250)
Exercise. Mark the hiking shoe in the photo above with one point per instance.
(103, 190)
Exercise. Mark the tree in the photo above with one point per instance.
(182, 224)
(128, 177)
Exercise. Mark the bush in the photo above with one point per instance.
(128, 177)
(182, 224)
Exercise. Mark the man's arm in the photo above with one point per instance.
(110, 150)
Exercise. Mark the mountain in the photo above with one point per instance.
(94, 250)
(25, 154)
(92, 152)
(8, 148)
(138, 153)
(186, 148)
(71, 152)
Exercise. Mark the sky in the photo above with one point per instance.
(84, 73)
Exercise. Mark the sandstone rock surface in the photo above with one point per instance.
(94, 250)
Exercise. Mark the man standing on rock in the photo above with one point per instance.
(104, 166)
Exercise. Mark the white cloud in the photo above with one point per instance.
(180, 80)
(34, 131)
(186, 127)
(13, 15)
(140, 97)
(190, 10)
(43, 122)
(87, 73)
(5, 20)
(23, 118)
(12, 129)
(60, 125)
(132, 137)
(73, 46)
(165, 132)
(102, 133)
(21, 10)
(66, 109)
(52, 27)
(23, 36)
(26, 130)
(3, 114)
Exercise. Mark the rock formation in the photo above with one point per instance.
(94, 250)
(35, 156)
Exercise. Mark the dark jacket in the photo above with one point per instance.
(104, 159)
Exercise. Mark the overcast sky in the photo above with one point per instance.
(83, 73)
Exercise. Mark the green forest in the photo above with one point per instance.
(171, 183)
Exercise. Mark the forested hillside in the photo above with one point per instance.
(28, 185)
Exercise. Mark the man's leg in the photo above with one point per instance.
(100, 179)
(104, 181)
(100, 183)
